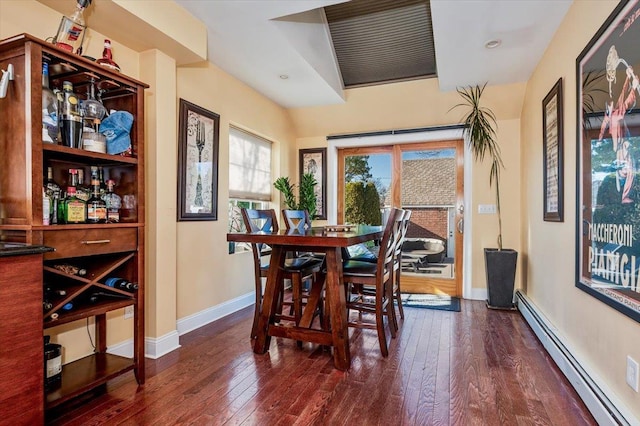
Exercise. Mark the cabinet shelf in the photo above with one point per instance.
(68, 154)
(86, 311)
(85, 374)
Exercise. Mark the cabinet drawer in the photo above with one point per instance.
(87, 242)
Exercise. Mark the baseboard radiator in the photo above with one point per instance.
(599, 401)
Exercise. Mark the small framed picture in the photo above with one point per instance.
(314, 161)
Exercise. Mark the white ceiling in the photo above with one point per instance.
(258, 41)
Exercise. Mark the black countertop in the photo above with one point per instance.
(19, 249)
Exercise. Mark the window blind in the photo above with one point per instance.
(249, 166)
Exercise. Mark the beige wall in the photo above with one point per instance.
(600, 336)
(420, 103)
(207, 274)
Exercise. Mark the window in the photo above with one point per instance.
(249, 178)
(249, 166)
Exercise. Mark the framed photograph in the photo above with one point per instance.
(314, 161)
(608, 154)
(198, 145)
(552, 140)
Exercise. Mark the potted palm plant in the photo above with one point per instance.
(307, 199)
(480, 131)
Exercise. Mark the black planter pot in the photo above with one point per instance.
(501, 275)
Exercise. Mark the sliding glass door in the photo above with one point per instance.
(425, 178)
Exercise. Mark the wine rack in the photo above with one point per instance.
(104, 250)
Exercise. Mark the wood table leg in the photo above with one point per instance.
(338, 310)
(270, 300)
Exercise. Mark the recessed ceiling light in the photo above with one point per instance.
(492, 44)
(284, 76)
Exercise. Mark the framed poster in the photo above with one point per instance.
(198, 145)
(314, 161)
(608, 150)
(552, 140)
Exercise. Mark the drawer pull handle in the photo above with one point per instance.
(96, 242)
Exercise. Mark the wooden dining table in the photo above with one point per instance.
(317, 240)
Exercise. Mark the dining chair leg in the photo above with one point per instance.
(391, 310)
(398, 295)
(382, 337)
(256, 312)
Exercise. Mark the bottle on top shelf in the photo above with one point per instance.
(49, 108)
(121, 283)
(72, 28)
(107, 57)
(70, 117)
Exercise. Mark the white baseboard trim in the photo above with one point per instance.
(601, 402)
(155, 347)
(213, 313)
(124, 348)
(477, 294)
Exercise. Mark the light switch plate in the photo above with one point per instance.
(632, 373)
(128, 312)
(486, 208)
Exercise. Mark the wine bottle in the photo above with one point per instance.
(54, 291)
(122, 284)
(71, 269)
(67, 307)
(46, 305)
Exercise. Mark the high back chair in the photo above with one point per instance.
(296, 269)
(297, 220)
(397, 260)
(370, 284)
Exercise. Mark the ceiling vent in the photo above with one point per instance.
(382, 41)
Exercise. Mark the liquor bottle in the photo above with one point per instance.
(122, 284)
(96, 206)
(71, 269)
(46, 208)
(70, 118)
(114, 202)
(75, 210)
(51, 186)
(72, 28)
(107, 57)
(82, 191)
(49, 108)
(54, 193)
(103, 186)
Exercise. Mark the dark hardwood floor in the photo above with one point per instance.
(474, 367)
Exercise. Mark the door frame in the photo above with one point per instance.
(424, 284)
(409, 136)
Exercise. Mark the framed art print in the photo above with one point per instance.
(198, 145)
(608, 154)
(552, 140)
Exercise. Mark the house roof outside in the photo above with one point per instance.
(428, 182)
